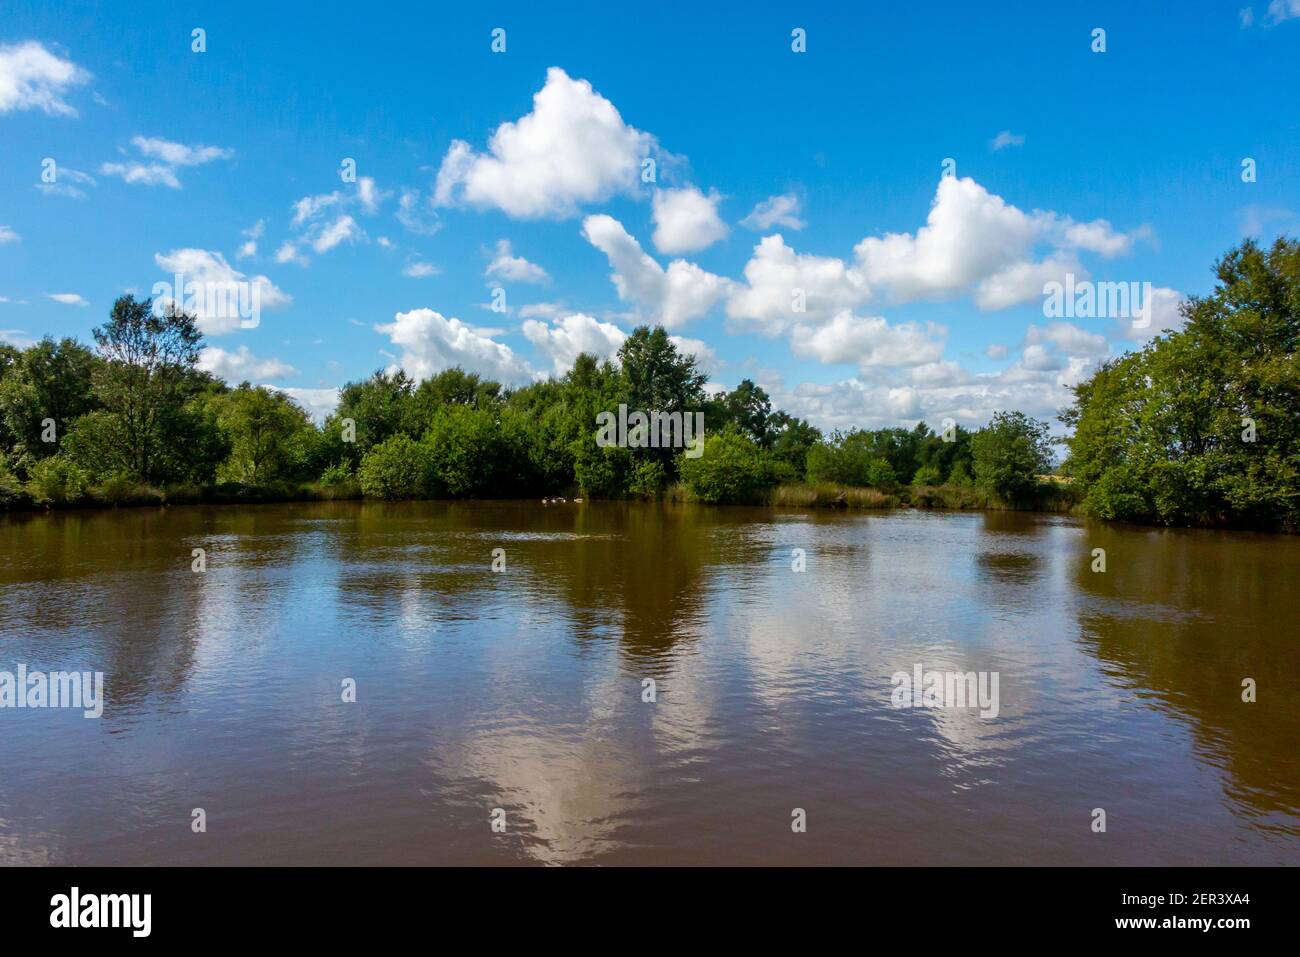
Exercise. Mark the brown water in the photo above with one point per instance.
(522, 690)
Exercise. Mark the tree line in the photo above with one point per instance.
(1157, 436)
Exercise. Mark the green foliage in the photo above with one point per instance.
(731, 469)
(1163, 435)
(146, 376)
(648, 479)
(466, 450)
(396, 468)
(49, 380)
(927, 475)
(270, 437)
(56, 480)
(1009, 453)
(850, 458)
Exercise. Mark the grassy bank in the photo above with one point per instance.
(1050, 497)
(125, 494)
(1053, 497)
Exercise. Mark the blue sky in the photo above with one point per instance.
(776, 173)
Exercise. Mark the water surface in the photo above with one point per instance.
(522, 690)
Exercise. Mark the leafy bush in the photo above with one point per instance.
(927, 475)
(731, 469)
(396, 468)
(648, 478)
(56, 480)
(1010, 453)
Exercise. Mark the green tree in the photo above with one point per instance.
(269, 435)
(1009, 453)
(49, 380)
(1202, 426)
(731, 469)
(396, 468)
(144, 378)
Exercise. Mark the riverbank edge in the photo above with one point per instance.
(1053, 497)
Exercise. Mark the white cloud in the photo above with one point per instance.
(415, 215)
(253, 234)
(143, 174)
(1280, 10)
(431, 342)
(562, 340)
(686, 220)
(288, 253)
(319, 403)
(68, 182)
(419, 270)
(67, 298)
(344, 229)
(369, 195)
(773, 275)
(513, 268)
(164, 157)
(969, 234)
(1166, 315)
(975, 240)
(9, 235)
(571, 150)
(33, 78)
(1024, 281)
(241, 365)
(673, 296)
(996, 350)
(780, 210)
(206, 267)
(1069, 339)
(1004, 139)
(309, 207)
(870, 341)
(178, 154)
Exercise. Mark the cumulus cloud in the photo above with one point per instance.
(289, 253)
(33, 78)
(1166, 316)
(143, 174)
(672, 296)
(686, 220)
(342, 230)
(976, 241)
(419, 270)
(68, 182)
(563, 339)
(511, 268)
(1024, 281)
(571, 150)
(431, 342)
(870, 341)
(417, 214)
(776, 275)
(780, 210)
(161, 160)
(209, 269)
(9, 235)
(319, 403)
(178, 154)
(1004, 139)
(1280, 10)
(67, 298)
(241, 365)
